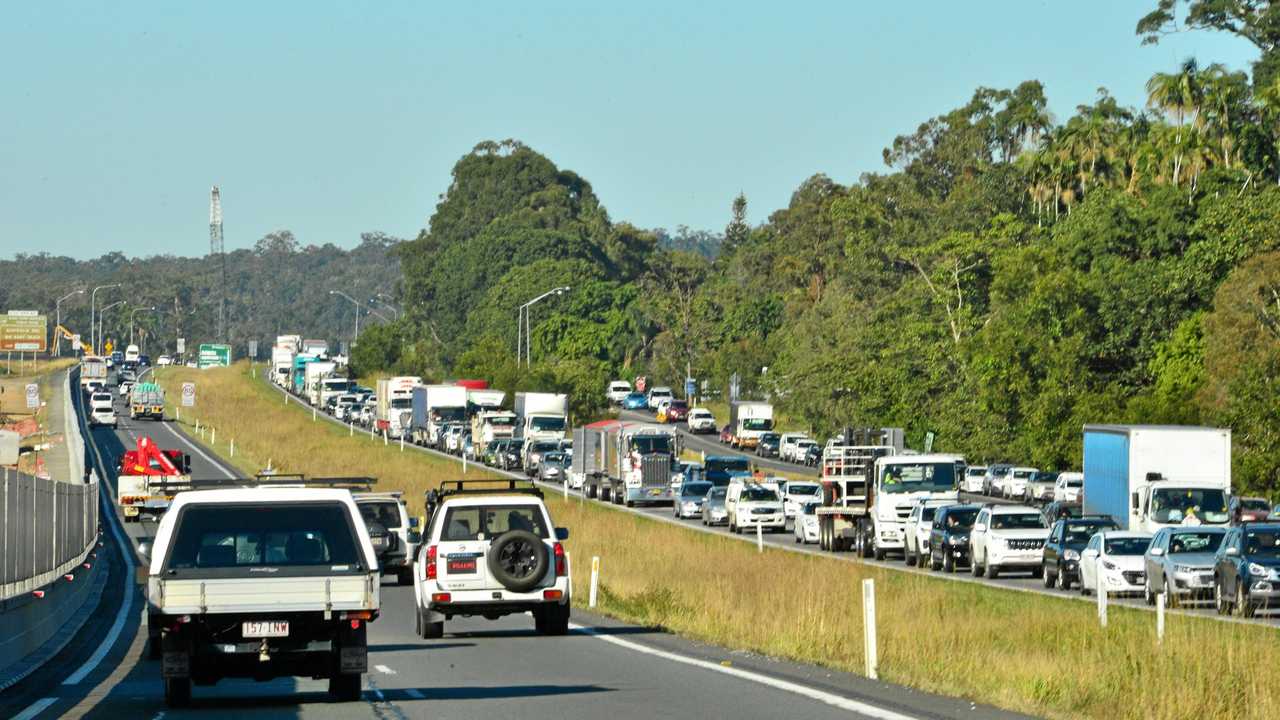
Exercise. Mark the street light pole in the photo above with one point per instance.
(93, 304)
(103, 313)
(58, 311)
(528, 336)
(377, 297)
(357, 304)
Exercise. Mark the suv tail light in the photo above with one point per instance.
(429, 572)
(558, 552)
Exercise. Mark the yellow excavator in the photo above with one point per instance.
(61, 332)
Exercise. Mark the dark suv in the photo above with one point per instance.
(949, 538)
(1246, 571)
(768, 445)
(1067, 538)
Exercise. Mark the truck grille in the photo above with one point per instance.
(655, 470)
(1025, 544)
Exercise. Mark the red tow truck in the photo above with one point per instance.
(149, 478)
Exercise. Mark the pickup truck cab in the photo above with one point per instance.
(751, 504)
(261, 583)
(491, 550)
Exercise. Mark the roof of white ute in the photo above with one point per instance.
(490, 498)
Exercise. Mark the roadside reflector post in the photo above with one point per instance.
(177, 414)
(401, 442)
(384, 437)
(565, 480)
(869, 626)
(351, 429)
(1160, 618)
(759, 538)
(595, 580)
(313, 413)
(1101, 591)
(233, 447)
(213, 436)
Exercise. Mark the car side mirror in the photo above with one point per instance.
(562, 533)
(980, 527)
(144, 550)
(413, 522)
(1233, 552)
(1157, 552)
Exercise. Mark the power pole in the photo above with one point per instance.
(217, 250)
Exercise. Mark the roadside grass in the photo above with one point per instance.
(1017, 650)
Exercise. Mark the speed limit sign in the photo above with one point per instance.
(188, 394)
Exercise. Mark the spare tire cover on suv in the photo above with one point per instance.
(518, 559)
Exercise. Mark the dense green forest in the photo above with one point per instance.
(1006, 279)
(277, 287)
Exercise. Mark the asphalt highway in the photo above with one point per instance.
(480, 669)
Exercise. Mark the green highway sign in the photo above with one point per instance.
(213, 355)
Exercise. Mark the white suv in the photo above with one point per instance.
(755, 504)
(1015, 486)
(658, 394)
(490, 552)
(398, 545)
(103, 415)
(1007, 537)
(701, 421)
(974, 477)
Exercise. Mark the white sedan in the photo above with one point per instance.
(806, 525)
(1114, 558)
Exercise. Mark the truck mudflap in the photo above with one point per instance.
(353, 659)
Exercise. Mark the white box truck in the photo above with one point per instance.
(395, 404)
(1148, 477)
(315, 375)
(281, 364)
(541, 416)
(750, 420)
(435, 406)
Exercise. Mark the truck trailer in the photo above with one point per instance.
(435, 406)
(394, 409)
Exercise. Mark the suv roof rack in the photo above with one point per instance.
(492, 486)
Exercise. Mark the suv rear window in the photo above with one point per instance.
(469, 522)
(386, 514)
(246, 536)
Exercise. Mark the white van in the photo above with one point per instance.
(131, 353)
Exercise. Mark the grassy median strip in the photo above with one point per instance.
(1017, 650)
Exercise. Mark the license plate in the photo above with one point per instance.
(461, 566)
(266, 629)
(655, 492)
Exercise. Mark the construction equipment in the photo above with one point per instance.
(60, 332)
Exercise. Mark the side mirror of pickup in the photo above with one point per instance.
(144, 550)
(562, 533)
(1233, 552)
(980, 527)
(1156, 552)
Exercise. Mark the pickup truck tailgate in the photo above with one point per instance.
(264, 594)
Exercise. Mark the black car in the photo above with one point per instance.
(1246, 571)
(949, 538)
(1057, 510)
(813, 455)
(1060, 562)
(768, 445)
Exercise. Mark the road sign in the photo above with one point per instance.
(188, 394)
(108, 347)
(253, 349)
(75, 341)
(24, 331)
(182, 345)
(928, 442)
(735, 385)
(690, 388)
(213, 355)
(33, 396)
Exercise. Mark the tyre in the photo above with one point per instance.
(910, 559)
(992, 571)
(1219, 600)
(948, 563)
(1147, 595)
(518, 560)
(1062, 582)
(344, 687)
(1037, 572)
(155, 646)
(631, 503)
(417, 621)
(432, 630)
(797, 539)
(934, 565)
(404, 576)
(975, 567)
(877, 551)
(1084, 590)
(552, 619)
(591, 492)
(1170, 597)
(1049, 578)
(1244, 608)
(177, 692)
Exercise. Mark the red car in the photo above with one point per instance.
(674, 412)
(726, 434)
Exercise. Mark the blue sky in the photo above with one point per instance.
(332, 118)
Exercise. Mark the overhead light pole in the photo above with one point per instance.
(93, 304)
(353, 302)
(57, 307)
(522, 324)
(377, 297)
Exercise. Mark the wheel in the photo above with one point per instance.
(1084, 590)
(992, 571)
(1062, 582)
(432, 630)
(824, 542)
(404, 576)
(948, 563)
(1244, 608)
(155, 648)
(552, 619)
(877, 551)
(344, 687)
(631, 503)
(975, 567)
(417, 621)
(1219, 600)
(1170, 597)
(177, 692)
(518, 560)
(1037, 572)
(934, 565)
(1050, 579)
(910, 559)
(1147, 595)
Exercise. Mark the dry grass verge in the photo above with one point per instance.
(1017, 650)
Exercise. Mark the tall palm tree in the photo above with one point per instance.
(1225, 95)
(1180, 95)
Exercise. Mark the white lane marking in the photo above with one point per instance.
(384, 670)
(415, 693)
(196, 448)
(35, 709)
(126, 550)
(822, 696)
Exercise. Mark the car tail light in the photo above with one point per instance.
(429, 573)
(552, 594)
(441, 597)
(558, 552)
(355, 624)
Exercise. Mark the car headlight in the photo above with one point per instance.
(1256, 569)
(1070, 555)
(1108, 565)
(957, 540)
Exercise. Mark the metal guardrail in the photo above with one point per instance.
(47, 527)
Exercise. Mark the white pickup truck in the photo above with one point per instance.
(261, 583)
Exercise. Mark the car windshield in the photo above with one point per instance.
(547, 424)
(699, 414)
(1022, 474)
(808, 490)
(1248, 504)
(918, 477)
(976, 472)
(449, 414)
(1174, 505)
(1044, 477)
(1075, 482)
(1262, 542)
(651, 444)
(485, 522)
(1127, 545)
(694, 490)
(727, 465)
(809, 508)
(757, 424)
(1020, 521)
(386, 514)
(246, 535)
(717, 493)
(769, 437)
(635, 396)
(546, 446)
(927, 512)
(679, 405)
(961, 519)
(1079, 533)
(339, 384)
(758, 494)
(1191, 541)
